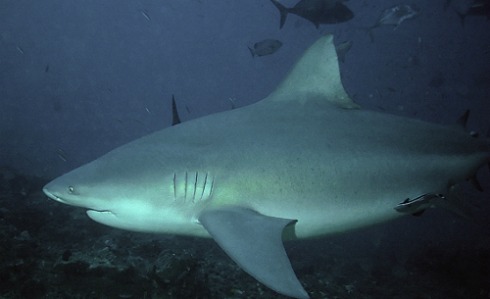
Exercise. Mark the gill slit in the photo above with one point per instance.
(204, 187)
(185, 187)
(195, 186)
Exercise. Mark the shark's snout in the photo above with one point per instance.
(51, 195)
(55, 192)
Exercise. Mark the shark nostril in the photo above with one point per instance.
(71, 189)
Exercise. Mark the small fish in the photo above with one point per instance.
(21, 51)
(61, 154)
(46, 68)
(145, 15)
(232, 102)
(316, 11)
(395, 15)
(265, 47)
(418, 205)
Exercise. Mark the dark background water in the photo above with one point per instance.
(79, 78)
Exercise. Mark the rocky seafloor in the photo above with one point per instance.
(50, 250)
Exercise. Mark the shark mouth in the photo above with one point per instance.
(91, 211)
(60, 199)
(53, 196)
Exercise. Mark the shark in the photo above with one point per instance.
(306, 161)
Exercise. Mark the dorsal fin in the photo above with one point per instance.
(175, 113)
(315, 76)
(463, 119)
(474, 181)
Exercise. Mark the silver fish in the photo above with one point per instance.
(316, 11)
(265, 47)
(396, 15)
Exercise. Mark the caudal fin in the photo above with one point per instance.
(252, 52)
(282, 10)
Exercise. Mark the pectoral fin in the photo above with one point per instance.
(254, 242)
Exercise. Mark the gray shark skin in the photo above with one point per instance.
(305, 161)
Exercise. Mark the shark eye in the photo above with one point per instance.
(71, 189)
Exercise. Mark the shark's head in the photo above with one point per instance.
(128, 196)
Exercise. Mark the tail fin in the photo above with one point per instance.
(252, 51)
(282, 10)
